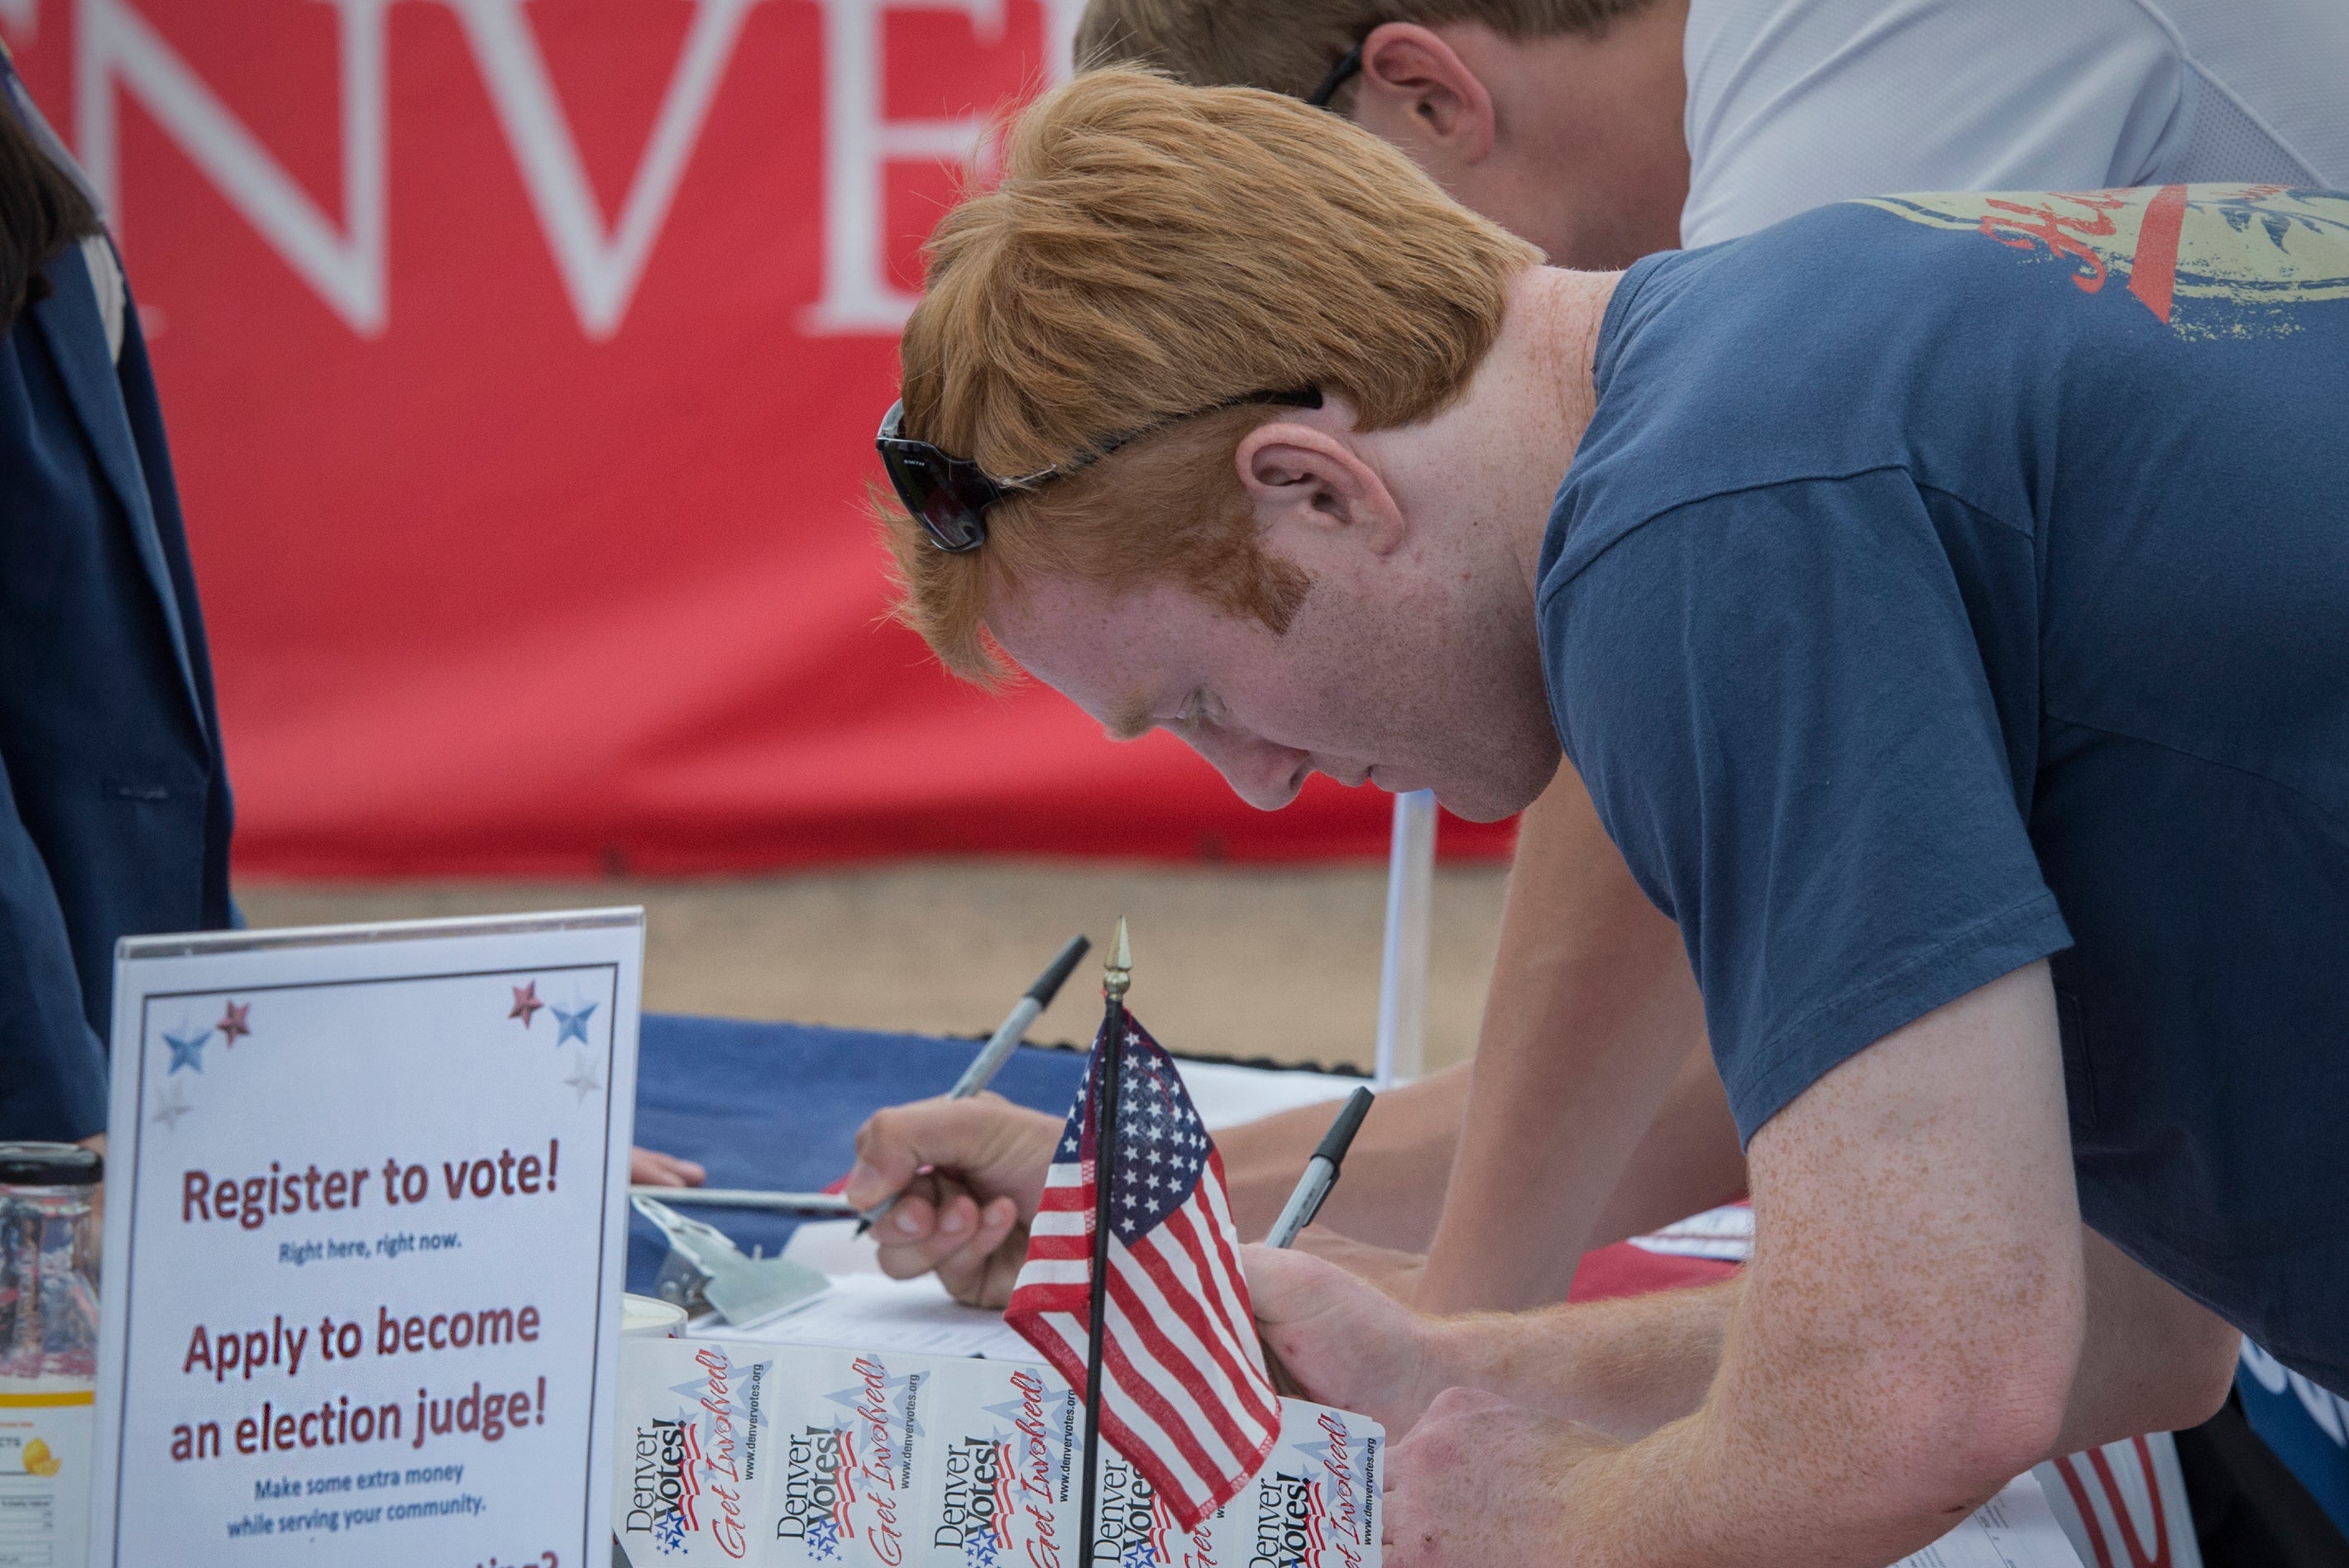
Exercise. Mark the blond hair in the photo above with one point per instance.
(1152, 251)
(1289, 46)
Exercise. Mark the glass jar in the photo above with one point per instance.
(48, 1350)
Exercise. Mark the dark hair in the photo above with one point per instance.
(41, 211)
(1289, 46)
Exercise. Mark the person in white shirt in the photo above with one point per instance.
(1792, 106)
(1604, 130)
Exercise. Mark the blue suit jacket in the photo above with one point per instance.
(114, 802)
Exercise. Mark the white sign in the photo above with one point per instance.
(364, 1240)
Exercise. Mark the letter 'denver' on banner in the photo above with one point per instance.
(364, 1239)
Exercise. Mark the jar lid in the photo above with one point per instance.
(50, 1165)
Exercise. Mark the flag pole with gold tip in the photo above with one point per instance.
(1116, 975)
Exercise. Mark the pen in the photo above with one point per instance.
(1322, 1170)
(806, 1205)
(998, 1048)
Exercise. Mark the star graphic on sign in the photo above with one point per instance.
(526, 1002)
(583, 1079)
(575, 1024)
(187, 1050)
(170, 1105)
(233, 1026)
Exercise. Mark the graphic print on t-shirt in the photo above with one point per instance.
(2210, 259)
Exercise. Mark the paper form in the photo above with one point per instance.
(865, 1310)
(2016, 1528)
(1724, 1235)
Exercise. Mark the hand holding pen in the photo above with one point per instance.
(999, 1047)
(967, 1222)
(1312, 1190)
(974, 1079)
(1320, 1171)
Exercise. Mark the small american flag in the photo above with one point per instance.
(1184, 1398)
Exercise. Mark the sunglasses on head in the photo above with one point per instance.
(949, 496)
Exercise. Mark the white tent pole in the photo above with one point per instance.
(1402, 967)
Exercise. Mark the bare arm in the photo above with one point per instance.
(1591, 999)
(1393, 1186)
(1909, 1337)
(651, 1168)
(1592, 1017)
(1597, 1111)
(2153, 1360)
(1688, 1160)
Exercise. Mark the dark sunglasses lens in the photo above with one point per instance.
(929, 489)
(952, 522)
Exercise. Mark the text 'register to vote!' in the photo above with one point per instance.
(251, 1202)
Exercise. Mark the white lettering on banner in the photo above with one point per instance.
(114, 44)
(600, 271)
(859, 145)
(117, 48)
(2328, 1410)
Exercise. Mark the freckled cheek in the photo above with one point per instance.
(1343, 726)
(1338, 702)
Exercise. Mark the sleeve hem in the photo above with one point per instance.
(1806, 1050)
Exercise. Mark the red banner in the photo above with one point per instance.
(522, 359)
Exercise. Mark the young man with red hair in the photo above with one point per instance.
(1942, 602)
(1603, 130)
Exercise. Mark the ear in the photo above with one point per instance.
(1305, 483)
(1417, 93)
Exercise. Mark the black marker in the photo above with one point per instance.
(1322, 1170)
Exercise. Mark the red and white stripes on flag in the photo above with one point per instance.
(1184, 1398)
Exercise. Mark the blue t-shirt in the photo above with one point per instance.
(1949, 581)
